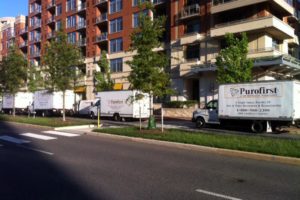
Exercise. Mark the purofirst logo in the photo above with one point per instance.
(254, 91)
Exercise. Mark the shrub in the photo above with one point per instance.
(180, 104)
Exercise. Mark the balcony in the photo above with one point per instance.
(101, 18)
(23, 31)
(190, 11)
(11, 35)
(81, 25)
(50, 35)
(36, 10)
(36, 25)
(269, 24)
(224, 5)
(191, 38)
(37, 39)
(81, 42)
(264, 52)
(51, 5)
(187, 65)
(36, 54)
(100, 2)
(81, 7)
(23, 44)
(51, 20)
(158, 2)
(101, 38)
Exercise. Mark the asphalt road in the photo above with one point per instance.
(91, 167)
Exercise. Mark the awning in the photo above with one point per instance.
(118, 86)
(80, 89)
(282, 65)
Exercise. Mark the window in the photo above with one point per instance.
(116, 25)
(72, 37)
(31, 36)
(192, 52)
(58, 25)
(192, 27)
(116, 45)
(71, 21)
(58, 9)
(135, 22)
(135, 2)
(71, 5)
(115, 6)
(31, 49)
(116, 65)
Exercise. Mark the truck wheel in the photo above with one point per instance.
(200, 122)
(92, 115)
(257, 127)
(116, 117)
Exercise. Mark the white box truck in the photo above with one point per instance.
(22, 101)
(259, 105)
(51, 103)
(116, 104)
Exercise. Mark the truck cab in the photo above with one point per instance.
(207, 115)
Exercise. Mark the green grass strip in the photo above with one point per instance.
(45, 121)
(274, 146)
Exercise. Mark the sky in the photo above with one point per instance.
(13, 8)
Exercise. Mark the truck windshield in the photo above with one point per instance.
(212, 105)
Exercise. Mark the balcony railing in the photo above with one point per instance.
(51, 5)
(218, 2)
(155, 2)
(101, 18)
(81, 42)
(102, 37)
(98, 2)
(24, 30)
(51, 20)
(36, 25)
(37, 39)
(190, 11)
(36, 10)
(36, 54)
(23, 44)
(81, 7)
(81, 25)
(51, 35)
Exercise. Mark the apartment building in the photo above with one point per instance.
(194, 35)
(198, 31)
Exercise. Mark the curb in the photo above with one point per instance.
(74, 127)
(226, 152)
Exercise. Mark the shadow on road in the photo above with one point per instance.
(29, 175)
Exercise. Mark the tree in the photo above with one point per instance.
(149, 67)
(233, 66)
(103, 79)
(34, 79)
(13, 72)
(60, 61)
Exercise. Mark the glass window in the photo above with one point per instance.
(71, 5)
(116, 65)
(58, 9)
(116, 45)
(135, 2)
(58, 25)
(135, 20)
(71, 21)
(116, 25)
(72, 37)
(115, 6)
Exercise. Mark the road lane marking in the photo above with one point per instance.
(217, 195)
(41, 137)
(61, 133)
(14, 140)
(37, 150)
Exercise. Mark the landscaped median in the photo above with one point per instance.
(45, 121)
(258, 144)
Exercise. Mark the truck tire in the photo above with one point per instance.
(200, 122)
(257, 126)
(116, 117)
(92, 115)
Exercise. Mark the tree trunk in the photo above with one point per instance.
(151, 122)
(64, 109)
(14, 106)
